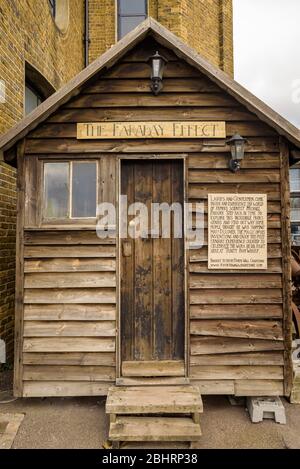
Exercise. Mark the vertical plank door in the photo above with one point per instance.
(152, 273)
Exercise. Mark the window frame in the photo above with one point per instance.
(119, 16)
(68, 220)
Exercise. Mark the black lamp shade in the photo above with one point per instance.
(157, 63)
(237, 147)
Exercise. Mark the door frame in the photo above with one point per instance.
(175, 156)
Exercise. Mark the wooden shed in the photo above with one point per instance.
(92, 312)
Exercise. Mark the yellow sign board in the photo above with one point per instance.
(160, 129)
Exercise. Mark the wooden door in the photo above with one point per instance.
(152, 276)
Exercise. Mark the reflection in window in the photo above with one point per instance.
(83, 190)
(295, 209)
(295, 205)
(32, 98)
(295, 180)
(56, 190)
(70, 190)
(130, 14)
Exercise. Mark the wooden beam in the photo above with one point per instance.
(19, 295)
(182, 50)
(295, 154)
(286, 266)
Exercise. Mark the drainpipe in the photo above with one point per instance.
(86, 33)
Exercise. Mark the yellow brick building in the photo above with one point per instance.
(206, 25)
(44, 43)
(45, 51)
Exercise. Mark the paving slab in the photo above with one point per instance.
(9, 426)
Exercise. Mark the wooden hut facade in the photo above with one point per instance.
(91, 312)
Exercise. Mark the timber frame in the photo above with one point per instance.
(237, 323)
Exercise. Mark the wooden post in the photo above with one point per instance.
(286, 265)
(18, 365)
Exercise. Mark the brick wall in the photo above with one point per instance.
(29, 33)
(226, 37)
(102, 33)
(7, 253)
(205, 25)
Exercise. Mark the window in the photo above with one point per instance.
(130, 14)
(295, 180)
(70, 190)
(37, 88)
(32, 98)
(295, 210)
(60, 10)
(295, 205)
(52, 4)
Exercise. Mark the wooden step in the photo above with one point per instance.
(154, 429)
(153, 400)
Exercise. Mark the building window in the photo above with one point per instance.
(70, 190)
(37, 88)
(295, 205)
(60, 10)
(32, 98)
(130, 14)
(52, 4)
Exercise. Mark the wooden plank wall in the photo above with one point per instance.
(69, 313)
(236, 336)
(236, 316)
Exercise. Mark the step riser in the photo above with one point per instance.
(154, 400)
(160, 413)
(154, 429)
(150, 411)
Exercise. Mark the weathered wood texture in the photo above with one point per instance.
(152, 272)
(19, 298)
(69, 314)
(239, 320)
(236, 318)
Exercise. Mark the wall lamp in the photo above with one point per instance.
(237, 147)
(157, 64)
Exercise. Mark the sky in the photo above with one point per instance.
(267, 52)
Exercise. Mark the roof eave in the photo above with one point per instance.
(167, 38)
(72, 88)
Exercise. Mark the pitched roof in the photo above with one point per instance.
(182, 50)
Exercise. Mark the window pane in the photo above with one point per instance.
(295, 209)
(132, 7)
(295, 180)
(56, 192)
(84, 186)
(32, 100)
(127, 23)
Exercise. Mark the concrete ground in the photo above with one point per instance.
(81, 423)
